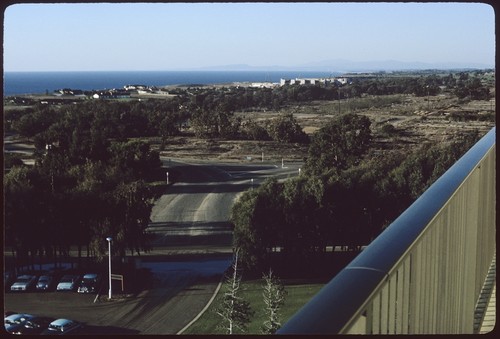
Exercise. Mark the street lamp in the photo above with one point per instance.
(109, 252)
(48, 147)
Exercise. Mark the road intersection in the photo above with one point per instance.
(199, 204)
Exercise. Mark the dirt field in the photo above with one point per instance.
(417, 120)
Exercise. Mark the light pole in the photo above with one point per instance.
(109, 252)
(48, 147)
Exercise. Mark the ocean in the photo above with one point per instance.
(17, 83)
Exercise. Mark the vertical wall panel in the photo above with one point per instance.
(392, 304)
(376, 314)
(400, 287)
(406, 296)
(384, 309)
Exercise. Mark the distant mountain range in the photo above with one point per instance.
(341, 65)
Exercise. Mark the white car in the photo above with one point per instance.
(67, 283)
(62, 326)
(23, 283)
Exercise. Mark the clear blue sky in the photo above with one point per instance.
(149, 36)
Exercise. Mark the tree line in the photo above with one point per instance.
(344, 197)
(88, 182)
(210, 112)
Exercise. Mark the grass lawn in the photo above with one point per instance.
(299, 293)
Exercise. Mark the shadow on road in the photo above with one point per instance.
(207, 188)
(193, 233)
(106, 330)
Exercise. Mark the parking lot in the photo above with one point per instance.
(61, 298)
(70, 305)
(175, 294)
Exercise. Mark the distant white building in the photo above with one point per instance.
(135, 87)
(263, 84)
(111, 94)
(343, 81)
(314, 81)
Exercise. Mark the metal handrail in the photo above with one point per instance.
(341, 303)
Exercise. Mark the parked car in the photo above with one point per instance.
(24, 283)
(45, 282)
(15, 321)
(35, 325)
(67, 283)
(89, 283)
(63, 326)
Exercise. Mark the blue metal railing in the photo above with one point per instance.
(424, 273)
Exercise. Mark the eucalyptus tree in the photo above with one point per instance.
(130, 215)
(259, 221)
(285, 128)
(21, 221)
(339, 144)
(303, 231)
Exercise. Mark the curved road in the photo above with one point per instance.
(196, 210)
(193, 213)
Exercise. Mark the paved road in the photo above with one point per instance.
(195, 210)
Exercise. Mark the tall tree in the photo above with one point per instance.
(340, 144)
(285, 128)
(21, 220)
(258, 219)
(131, 215)
(274, 297)
(235, 312)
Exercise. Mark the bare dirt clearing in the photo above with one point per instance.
(416, 119)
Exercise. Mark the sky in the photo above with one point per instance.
(180, 36)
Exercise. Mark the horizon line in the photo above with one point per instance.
(257, 69)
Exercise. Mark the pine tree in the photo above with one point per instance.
(233, 309)
(274, 297)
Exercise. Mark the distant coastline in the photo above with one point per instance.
(22, 83)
